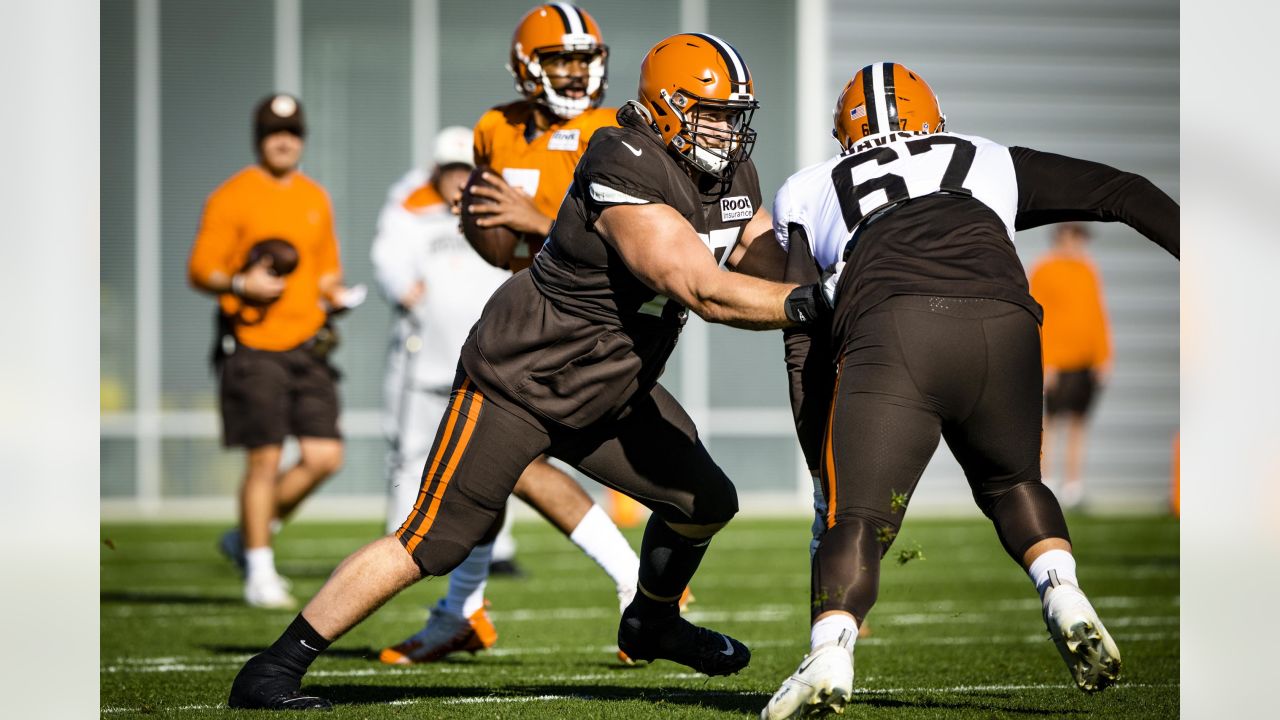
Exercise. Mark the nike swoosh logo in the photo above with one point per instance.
(728, 646)
(633, 150)
(305, 645)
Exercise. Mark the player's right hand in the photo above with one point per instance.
(260, 285)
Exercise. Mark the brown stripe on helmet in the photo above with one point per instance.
(869, 96)
(890, 98)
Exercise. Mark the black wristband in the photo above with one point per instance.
(806, 304)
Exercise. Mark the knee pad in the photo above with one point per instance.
(440, 544)
(846, 567)
(878, 526)
(714, 504)
(1025, 514)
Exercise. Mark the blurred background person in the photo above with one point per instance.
(1076, 355)
(274, 376)
(437, 285)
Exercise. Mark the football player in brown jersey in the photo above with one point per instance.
(565, 361)
(531, 147)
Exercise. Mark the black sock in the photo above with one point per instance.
(298, 647)
(667, 561)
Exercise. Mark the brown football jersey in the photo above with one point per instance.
(579, 335)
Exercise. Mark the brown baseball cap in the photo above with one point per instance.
(278, 112)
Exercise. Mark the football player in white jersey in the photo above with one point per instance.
(932, 334)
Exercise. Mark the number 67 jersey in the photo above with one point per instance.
(913, 213)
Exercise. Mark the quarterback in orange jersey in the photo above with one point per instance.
(559, 61)
(558, 58)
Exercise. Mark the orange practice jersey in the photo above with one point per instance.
(252, 206)
(1075, 334)
(544, 167)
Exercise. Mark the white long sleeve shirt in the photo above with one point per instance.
(422, 242)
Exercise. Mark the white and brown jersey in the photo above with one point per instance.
(580, 335)
(935, 214)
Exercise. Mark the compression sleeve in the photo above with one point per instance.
(1056, 188)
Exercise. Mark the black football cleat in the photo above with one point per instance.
(506, 568)
(663, 637)
(261, 685)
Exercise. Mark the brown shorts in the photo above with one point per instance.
(1073, 394)
(267, 396)
(650, 452)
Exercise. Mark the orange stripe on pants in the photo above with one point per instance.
(454, 407)
(829, 459)
(450, 465)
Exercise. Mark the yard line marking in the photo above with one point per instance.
(116, 709)
(530, 698)
(191, 664)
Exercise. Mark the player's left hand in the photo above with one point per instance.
(511, 206)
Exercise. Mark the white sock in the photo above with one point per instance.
(600, 539)
(504, 546)
(839, 629)
(1053, 568)
(260, 562)
(467, 582)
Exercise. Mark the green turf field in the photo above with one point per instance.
(955, 634)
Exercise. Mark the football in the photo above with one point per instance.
(281, 256)
(495, 244)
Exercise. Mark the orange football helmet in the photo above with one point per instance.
(557, 29)
(884, 97)
(699, 96)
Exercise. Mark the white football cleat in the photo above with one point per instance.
(823, 683)
(444, 633)
(268, 591)
(1086, 646)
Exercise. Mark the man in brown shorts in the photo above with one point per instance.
(1076, 350)
(565, 361)
(274, 380)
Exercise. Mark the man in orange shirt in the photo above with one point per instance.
(274, 380)
(1076, 347)
(532, 145)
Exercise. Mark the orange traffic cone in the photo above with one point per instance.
(625, 511)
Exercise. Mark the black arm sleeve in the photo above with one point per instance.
(1056, 188)
(810, 367)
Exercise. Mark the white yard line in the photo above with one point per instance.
(194, 664)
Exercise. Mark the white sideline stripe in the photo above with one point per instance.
(483, 699)
(179, 665)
